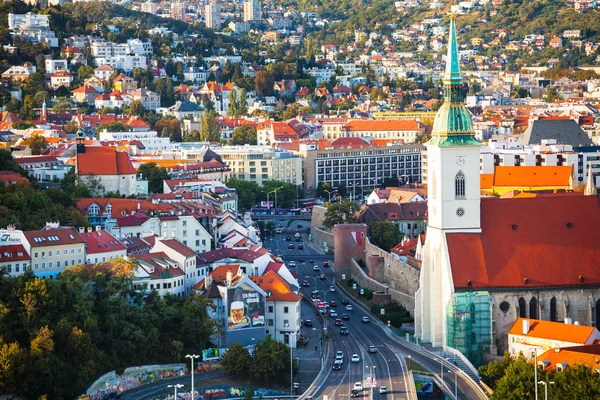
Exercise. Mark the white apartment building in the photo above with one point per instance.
(157, 271)
(14, 259)
(262, 163)
(53, 66)
(103, 48)
(252, 10)
(184, 256)
(124, 62)
(149, 7)
(194, 74)
(32, 27)
(184, 228)
(212, 12)
(150, 139)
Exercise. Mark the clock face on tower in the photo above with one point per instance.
(460, 161)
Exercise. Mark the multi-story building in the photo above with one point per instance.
(407, 130)
(150, 139)
(157, 271)
(252, 11)
(101, 246)
(149, 7)
(184, 256)
(124, 83)
(32, 27)
(149, 99)
(60, 78)
(262, 163)
(125, 62)
(213, 15)
(361, 169)
(14, 259)
(178, 11)
(53, 66)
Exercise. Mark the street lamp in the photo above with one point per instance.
(372, 368)
(545, 387)
(329, 193)
(353, 197)
(290, 335)
(178, 386)
(192, 357)
(375, 180)
(409, 358)
(535, 371)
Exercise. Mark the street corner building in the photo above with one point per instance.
(488, 261)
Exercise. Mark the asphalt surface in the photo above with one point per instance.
(388, 363)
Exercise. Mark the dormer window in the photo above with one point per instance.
(94, 210)
(108, 209)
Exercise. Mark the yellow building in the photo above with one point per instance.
(526, 179)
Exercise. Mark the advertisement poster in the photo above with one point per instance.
(266, 204)
(210, 354)
(246, 308)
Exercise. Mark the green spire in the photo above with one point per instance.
(453, 124)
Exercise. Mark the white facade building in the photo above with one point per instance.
(150, 139)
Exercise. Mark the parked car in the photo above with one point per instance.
(355, 358)
(345, 316)
(325, 264)
(365, 320)
(343, 330)
(308, 322)
(372, 349)
(300, 246)
(349, 307)
(358, 386)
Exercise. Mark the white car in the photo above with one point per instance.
(349, 307)
(316, 268)
(355, 358)
(339, 353)
(383, 390)
(358, 386)
(332, 288)
(333, 314)
(292, 264)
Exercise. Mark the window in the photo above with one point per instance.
(270, 308)
(50, 253)
(79, 250)
(270, 322)
(50, 264)
(36, 266)
(459, 186)
(72, 251)
(285, 310)
(184, 233)
(94, 210)
(197, 243)
(43, 265)
(286, 323)
(58, 264)
(203, 242)
(533, 308)
(553, 316)
(197, 232)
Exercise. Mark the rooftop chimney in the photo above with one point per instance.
(229, 278)
(525, 326)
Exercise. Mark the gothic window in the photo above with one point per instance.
(459, 186)
(522, 308)
(553, 316)
(533, 308)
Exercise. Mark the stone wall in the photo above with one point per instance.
(391, 271)
(321, 236)
(318, 216)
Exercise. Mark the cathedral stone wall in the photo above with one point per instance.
(580, 305)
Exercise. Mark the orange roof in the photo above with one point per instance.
(587, 355)
(85, 89)
(486, 181)
(272, 283)
(553, 330)
(221, 271)
(534, 176)
(382, 125)
(101, 160)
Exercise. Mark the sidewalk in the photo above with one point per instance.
(309, 360)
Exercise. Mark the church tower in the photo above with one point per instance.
(453, 156)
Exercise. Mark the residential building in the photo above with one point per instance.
(14, 259)
(149, 99)
(103, 72)
(261, 163)
(125, 62)
(252, 11)
(124, 83)
(212, 15)
(178, 11)
(195, 75)
(149, 7)
(184, 256)
(19, 73)
(85, 94)
(556, 360)
(184, 110)
(101, 246)
(157, 271)
(150, 140)
(32, 27)
(411, 218)
(60, 78)
(53, 66)
(406, 130)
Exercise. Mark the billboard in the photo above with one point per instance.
(266, 204)
(246, 308)
(210, 354)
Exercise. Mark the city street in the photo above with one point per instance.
(387, 364)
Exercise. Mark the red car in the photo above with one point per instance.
(325, 264)
(333, 303)
(338, 322)
(322, 277)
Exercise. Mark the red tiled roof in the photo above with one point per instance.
(53, 237)
(210, 257)
(101, 242)
(576, 355)
(179, 247)
(532, 176)
(381, 125)
(554, 330)
(13, 252)
(158, 261)
(276, 287)
(530, 238)
(349, 143)
(101, 160)
(85, 89)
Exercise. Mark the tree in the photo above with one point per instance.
(242, 103)
(291, 112)
(247, 192)
(270, 364)
(155, 176)
(71, 127)
(84, 72)
(136, 109)
(286, 193)
(236, 362)
(339, 213)
(112, 127)
(385, 234)
(518, 381)
(209, 131)
(390, 181)
(169, 126)
(37, 144)
(264, 83)
(232, 111)
(575, 382)
(342, 190)
(244, 134)
(321, 189)
(551, 94)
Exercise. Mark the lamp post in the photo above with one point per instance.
(290, 336)
(372, 372)
(178, 386)
(409, 358)
(545, 387)
(535, 371)
(192, 357)
(329, 194)
(353, 197)
(375, 180)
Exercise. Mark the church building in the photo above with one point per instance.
(488, 261)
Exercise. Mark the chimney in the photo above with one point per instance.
(98, 228)
(568, 321)
(229, 278)
(81, 229)
(139, 206)
(89, 229)
(525, 326)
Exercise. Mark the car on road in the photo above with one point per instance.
(316, 268)
(345, 302)
(358, 386)
(365, 320)
(333, 314)
(322, 277)
(355, 358)
(291, 246)
(338, 322)
(372, 349)
(354, 393)
(306, 283)
(339, 354)
(277, 230)
(333, 303)
(325, 264)
(288, 238)
(343, 330)
(299, 226)
(292, 264)
(332, 288)
(383, 390)
(314, 294)
(336, 365)
(300, 246)
(280, 225)
(349, 307)
(307, 322)
(345, 316)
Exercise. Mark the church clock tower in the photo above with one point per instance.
(453, 156)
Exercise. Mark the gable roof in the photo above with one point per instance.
(210, 257)
(519, 241)
(101, 242)
(13, 252)
(276, 287)
(554, 330)
(158, 265)
(104, 160)
(53, 237)
(179, 247)
(564, 131)
(582, 355)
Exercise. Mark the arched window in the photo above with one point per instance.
(459, 186)
(433, 185)
(522, 308)
(533, 308)
(553, 316)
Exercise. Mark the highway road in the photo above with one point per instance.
(388, 363)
